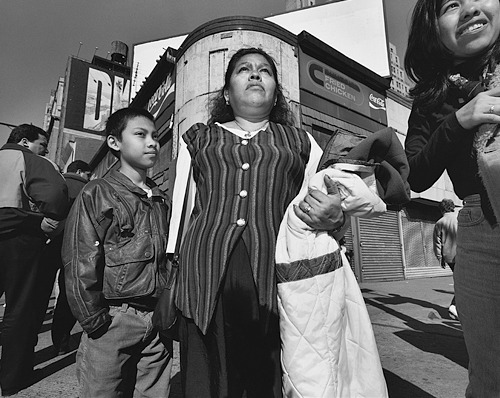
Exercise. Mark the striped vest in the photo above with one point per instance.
(243, 188)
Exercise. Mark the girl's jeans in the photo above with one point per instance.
(129, 360)
(477, 290)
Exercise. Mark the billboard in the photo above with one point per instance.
(356, 28)
(93, 94)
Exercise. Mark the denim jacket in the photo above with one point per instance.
(114, 247)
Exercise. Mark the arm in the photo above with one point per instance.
(429, 148)
(326, 213)
(46, 187)
(433, 139)
(437, 242)
(182, 180)
(83, 258)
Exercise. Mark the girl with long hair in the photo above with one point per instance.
(453, 48)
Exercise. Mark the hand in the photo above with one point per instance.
(51, 228)
(322, 211)
(483, 108)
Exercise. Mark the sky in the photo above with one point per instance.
(38, 36)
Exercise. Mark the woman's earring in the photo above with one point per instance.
(227, 101)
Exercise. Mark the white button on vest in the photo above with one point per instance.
(244, 142)
(240, 222)
(243, 194)
(245, 166)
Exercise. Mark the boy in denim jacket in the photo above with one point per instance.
(115, 266)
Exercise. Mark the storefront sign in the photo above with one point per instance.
(335, 86)
(163, 97)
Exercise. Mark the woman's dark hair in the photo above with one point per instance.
(117, 122)
(222, 112)
(427, 61)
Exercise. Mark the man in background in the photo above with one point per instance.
(33, 196)
(35, 143)
(445, 242)
(77, 175)
(38, 146)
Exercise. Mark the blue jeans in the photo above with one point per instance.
(477, 291)
(129, 360)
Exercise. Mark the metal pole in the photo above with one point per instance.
(8, 125)
(78, 53)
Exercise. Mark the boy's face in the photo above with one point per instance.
(139, 145)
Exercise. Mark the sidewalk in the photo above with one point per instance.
(421, 349)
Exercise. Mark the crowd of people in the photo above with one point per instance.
(240, 174)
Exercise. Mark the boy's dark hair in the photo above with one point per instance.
(28, 131)
(222, 112)
(446, 206)
(117, 122)
(428, 62)
(73, 167)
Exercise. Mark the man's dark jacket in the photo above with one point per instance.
(31, 189)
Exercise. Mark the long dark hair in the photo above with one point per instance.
(222, 112)
(428, 62)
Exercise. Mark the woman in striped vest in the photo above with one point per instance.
(248, 163)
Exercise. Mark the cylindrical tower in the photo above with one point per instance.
(203, 57)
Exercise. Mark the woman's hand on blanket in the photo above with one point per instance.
(321, 211)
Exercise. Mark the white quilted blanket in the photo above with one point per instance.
(328, 346)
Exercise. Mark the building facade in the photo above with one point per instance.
(81, 103)
(398, 76)
(330, 94)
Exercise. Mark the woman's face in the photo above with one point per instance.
(252, 87)
(468, 27)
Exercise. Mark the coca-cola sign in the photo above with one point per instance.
(376, 102)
